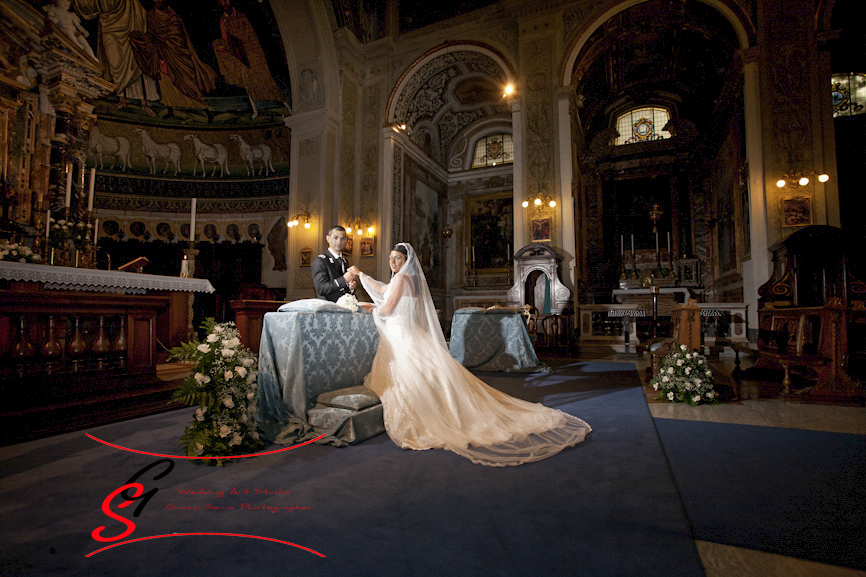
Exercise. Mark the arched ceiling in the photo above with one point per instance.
(448, 93)
(662, 51)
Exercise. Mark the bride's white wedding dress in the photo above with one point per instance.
(430, 401)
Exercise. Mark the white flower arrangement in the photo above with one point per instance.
(18, 253)
(685, 377)
(348, 301)
(224, 386)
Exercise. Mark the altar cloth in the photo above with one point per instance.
(304, 352)
(492, 340)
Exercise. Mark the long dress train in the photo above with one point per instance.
(431, 401)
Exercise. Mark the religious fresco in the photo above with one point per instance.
(197, 63)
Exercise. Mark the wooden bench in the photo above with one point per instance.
(814, 339)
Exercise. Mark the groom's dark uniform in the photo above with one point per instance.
(328, 271)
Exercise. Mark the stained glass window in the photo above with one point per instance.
(849, 94)
(493, 150)
(642, 125)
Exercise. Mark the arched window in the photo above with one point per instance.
(492, 150)
(849, 94)
(642, 125)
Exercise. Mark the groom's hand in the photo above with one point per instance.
(352, 284)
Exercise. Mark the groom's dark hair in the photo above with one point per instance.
(335, 227)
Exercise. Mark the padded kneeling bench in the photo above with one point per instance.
(353, 414)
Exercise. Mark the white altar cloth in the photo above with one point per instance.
(95, 280)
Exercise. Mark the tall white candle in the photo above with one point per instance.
(622, 245)
(473, 257)
(68, 185)
(192, 221)
(90, 192)
(632, 243)
(669, 242)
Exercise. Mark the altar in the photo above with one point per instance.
(492, 340)
(86, 342)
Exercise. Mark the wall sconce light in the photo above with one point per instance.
(798, 179)
(538, 200)
(359, 227)
(509, 90)
(447, 232)
(302, 218)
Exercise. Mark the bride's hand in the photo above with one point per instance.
(366, 306)
(354, 270)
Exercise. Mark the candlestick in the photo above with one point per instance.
(47, 224)
(68, 185)
(192, 221)
(473, 257)
(622, 245)
(95, 230)
(657, 243)
(90, 192)
(632, 243)
(669, 242)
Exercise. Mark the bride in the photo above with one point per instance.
(430, 400)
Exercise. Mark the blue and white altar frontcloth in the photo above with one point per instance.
(310, 347)
(492, 340)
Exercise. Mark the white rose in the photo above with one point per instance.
(696, 399)
(228, 375)
(248, 363)
(212, 338)
(236, 440)
(708, 373)
(665, 379)
(680, 363)
(254, 435)
(242, 372)
(228, 402)
(688, 355)
(670, 370)
(228, 353)
(225, 430)
(199, 448)
(688, 370)
(203, 348)
(202, 378)
(251, 395)
(199, 413)
(656, 386)
(671, 396)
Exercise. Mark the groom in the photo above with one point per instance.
(330, 270)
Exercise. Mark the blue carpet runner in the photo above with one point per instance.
(787, 491)
(606, 507)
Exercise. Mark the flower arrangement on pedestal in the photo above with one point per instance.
(685, 377)
(18, 253)
(223, 385)
(348, 301)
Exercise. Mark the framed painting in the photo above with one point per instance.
(367, 246)
(489, 226)
(796, 212)
(540, 229)
(349, 243)
(306, 256)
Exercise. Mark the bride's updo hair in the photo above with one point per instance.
(401, 249)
